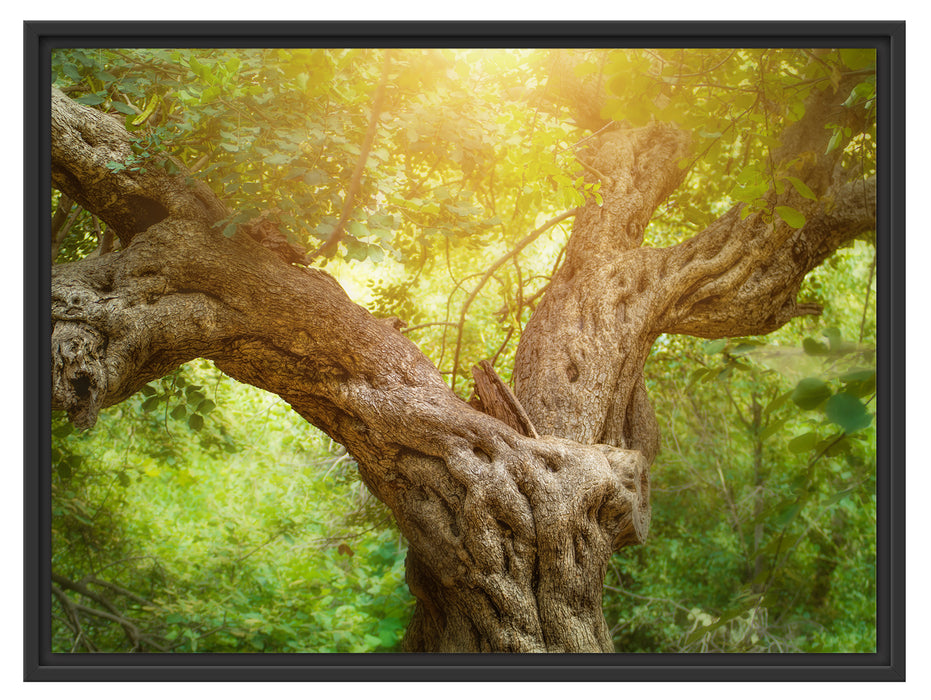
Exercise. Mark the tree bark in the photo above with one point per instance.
(509, 532)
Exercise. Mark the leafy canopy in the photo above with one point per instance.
(472, 151)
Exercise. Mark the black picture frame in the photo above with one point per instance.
(887, 664)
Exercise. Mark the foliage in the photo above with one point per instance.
(201, 515)
(736, 103)
(249, 534)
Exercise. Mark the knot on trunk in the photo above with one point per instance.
(266, 231)
(79, 379)
(644, 160)
(625, 514)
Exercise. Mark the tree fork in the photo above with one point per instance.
(513, 532)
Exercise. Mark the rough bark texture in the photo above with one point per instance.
(509, 533)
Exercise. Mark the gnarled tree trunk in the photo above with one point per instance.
(509, 529)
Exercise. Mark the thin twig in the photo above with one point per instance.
(355, 184)
(866, 302)
(427, 325)
(527, 240)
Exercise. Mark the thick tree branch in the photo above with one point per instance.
(743, 277)
(62, 220)
(85, 141)
(642, 170)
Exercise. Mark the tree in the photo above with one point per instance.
(513, 502)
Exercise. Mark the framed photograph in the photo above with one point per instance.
(464, 351)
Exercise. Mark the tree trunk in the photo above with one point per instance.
(509, 534)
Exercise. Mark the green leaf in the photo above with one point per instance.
(198, 68)
(858, 59)
(803, 443)
(788, 514)
(858, 375)
(123, 108)
(63, 430)
(744, 348)
(196, 421)
(773, 428)
(150, 403)
(358, 229)
(714, 346)
(92, 99)
(814, 347)
(388, 637)
(863, 92)
(776, 403)
(315, 177)
(179, 412)
(834, 337)
(839, 496)
(278, 159)
(810, 393)
(802, 188)
(791, 216)
(833, 446)
(697, 375)
(848, 412)
(71, 72)
(859, 383)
